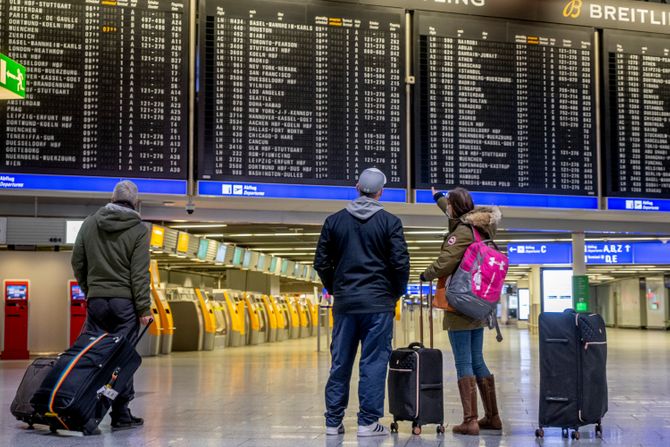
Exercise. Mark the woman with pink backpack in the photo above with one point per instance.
(467, 225)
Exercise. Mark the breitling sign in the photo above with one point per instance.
(617, 14)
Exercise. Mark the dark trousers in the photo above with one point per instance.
(115, 316)
(375, 333)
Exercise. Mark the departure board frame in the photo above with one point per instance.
(641, 200)
(318, 14)
(505, 196)
(148, 116)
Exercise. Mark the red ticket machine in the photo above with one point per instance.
(16, 319)
(77, 309)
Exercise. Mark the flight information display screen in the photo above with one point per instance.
(637, 98)
(504, 106)
(300, 92)
(106, 93)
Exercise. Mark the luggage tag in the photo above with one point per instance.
(108, 390)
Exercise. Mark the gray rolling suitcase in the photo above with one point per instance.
(21, 407)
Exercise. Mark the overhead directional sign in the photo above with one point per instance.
(12, 79)
(540, 254)
(595, 253)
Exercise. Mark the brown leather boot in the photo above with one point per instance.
(467, 387)
(491, 419)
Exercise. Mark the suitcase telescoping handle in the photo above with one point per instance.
(430, 311)
(144, 331)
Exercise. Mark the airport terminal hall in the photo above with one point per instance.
(297, 223)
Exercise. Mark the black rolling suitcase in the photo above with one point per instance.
(573, 377)
(415, 382)
(21, 407)
(77, 393)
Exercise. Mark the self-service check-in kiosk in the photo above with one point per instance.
(273, 318)
(218, 304)
(313, 311)
(150, 344)
(16, 294)
(209, 321)
(301, 309)
(283, 318)
(189, 323)
(166, 326)
(237, 316)
(77, 310)
(294, 317)
(256, 329)
(265, 317)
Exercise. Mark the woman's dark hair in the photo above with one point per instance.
(460, 201)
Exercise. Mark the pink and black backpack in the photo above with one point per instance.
(474, 289)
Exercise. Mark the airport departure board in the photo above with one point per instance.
(106, 90)
(504, 106)
(301, 92)
(638, 121)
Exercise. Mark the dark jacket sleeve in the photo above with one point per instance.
(323, 261)
(453, 249)
(399, 259)
(79, 262)
(139, 274)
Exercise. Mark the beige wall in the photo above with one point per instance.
(48, 273)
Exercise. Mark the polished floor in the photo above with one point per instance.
(272, 395)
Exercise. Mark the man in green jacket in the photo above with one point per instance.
(111, 263)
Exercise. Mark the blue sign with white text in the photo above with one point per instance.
(521, 200)
(595, 253)
(280, 191)
(540, 253)
(648, 205)
(73, 183)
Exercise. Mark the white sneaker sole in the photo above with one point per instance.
(373, 434)
(339, 432)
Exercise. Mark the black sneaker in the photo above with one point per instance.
(126, 420)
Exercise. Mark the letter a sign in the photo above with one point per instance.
(12, 79)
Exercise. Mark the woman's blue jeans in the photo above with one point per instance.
(467, 348)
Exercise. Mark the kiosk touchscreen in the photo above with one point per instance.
(77, 307)
(16, 294)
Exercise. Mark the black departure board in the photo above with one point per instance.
(106, 91)
(504, 106)
(302, 92)
(637, 84)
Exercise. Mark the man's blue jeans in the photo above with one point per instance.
(467, 348)
(374, 332)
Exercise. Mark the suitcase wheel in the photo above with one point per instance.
(599, 431)
(575, 435)
(394, 427)
(539, 433)
(565, 433)
(416, 429)
(440, 429)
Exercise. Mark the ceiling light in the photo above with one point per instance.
(187, 226)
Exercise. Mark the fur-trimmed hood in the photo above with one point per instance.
(484, 218)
